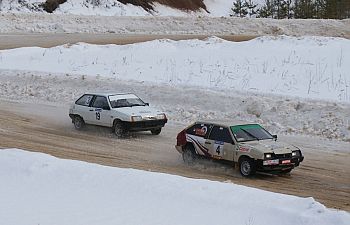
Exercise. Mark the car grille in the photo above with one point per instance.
(283, 156)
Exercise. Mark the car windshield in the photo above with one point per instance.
(250, 132)
(129, 100)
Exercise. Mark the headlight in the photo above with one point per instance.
(136, 118)
(296, 153)
(268, 156)
(161, 116)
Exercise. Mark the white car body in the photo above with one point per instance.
(108, 109)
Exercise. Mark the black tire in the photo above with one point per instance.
(156, 131)
(78, 122)
(189, 155)
(247, 166)
(119, 129)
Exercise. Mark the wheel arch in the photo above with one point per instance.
(190, 145)
(73, 115)
(117, 120)
(243, 157)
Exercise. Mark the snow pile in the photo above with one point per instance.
(100, 7)
(47, 190)
(68, 23)
(23, 6)
(306, 67)
(215, 8)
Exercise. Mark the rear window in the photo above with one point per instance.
(200, 129)
(84, 100)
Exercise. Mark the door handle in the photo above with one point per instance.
(207, 142)
(91, 110)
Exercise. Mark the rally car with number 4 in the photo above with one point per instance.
(250, 146)
(121, 111)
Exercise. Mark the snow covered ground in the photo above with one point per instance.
(309, 67)
(216, 8)
(290, 85)
(40, 189)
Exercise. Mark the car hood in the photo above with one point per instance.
(144, 111)
(268, 146)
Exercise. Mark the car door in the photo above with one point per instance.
(220, 143)
(82, 107)
(100, 111)
(197, 135)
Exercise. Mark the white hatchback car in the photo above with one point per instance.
(122, 112)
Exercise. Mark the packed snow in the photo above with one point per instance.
(41, 189)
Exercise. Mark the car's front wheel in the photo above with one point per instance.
(246, 166)
(156, 131)
(78, 122)
(119, 129)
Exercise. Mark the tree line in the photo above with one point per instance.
(287, 9)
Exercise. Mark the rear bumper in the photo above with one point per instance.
(146, 125)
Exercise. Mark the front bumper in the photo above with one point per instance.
(279, 164)
(146, 125)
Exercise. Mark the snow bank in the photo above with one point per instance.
(100, 7)
(47, 190)
(308, 67)
(105, 8)
(68, 23)
(115, 8)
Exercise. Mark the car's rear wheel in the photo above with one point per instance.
(156, 131)
(189, 155)
(246, 166)
(78, 122)
(119, 129)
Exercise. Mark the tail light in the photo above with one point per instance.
(181, 138)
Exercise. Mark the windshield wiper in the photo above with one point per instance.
(250, 134)
(136, 105)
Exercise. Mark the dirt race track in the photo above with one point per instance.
(8, 41)
(323, 175)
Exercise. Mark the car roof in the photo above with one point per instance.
(225, 123)
(107, 93)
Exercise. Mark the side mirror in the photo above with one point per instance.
(106, 108)
(147, 103)
(275, 136)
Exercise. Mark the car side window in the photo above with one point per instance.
(100, 102)
(84, 100)
(199, 129)
(220, 134)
